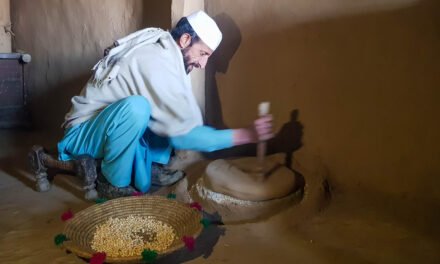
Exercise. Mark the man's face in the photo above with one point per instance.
(195, 55)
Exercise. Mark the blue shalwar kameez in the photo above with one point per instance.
(119, 135)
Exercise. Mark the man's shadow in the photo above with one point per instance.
(219, 63)
(287, 140)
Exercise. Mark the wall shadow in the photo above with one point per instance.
(50, 115)
(219, 63)
(287, 140)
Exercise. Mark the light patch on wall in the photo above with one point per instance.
(306, 11)
(276, 15)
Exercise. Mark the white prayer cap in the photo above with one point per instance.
(206, 28)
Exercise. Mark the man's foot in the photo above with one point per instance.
(108, 191)
(162, 176)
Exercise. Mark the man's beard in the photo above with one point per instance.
(186, 61)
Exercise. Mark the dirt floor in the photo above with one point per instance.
(346, 230)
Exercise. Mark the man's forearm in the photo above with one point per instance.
(244, 136)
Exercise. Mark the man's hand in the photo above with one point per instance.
(260, 131)
(263, 128)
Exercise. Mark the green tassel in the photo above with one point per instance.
(100, 200)
(149, 256)
(205, 222)
(59, 239)
(171, 196)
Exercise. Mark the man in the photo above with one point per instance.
(139, 106)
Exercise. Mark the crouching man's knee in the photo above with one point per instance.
(136, 108)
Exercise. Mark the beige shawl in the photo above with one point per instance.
(147, 63)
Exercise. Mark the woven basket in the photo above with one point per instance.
(80, 229)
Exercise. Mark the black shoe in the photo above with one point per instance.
(108, 191)
(162, 176)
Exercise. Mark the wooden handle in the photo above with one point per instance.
(261, 153)
(263, 109)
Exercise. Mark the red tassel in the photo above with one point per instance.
(196, 205)
(189, 242)
(67, 215)
(137, 194)
(98, 258)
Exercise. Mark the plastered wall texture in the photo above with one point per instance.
(66, 38)
(364, 77)
(5, 22)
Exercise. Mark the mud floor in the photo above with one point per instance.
(345, 230)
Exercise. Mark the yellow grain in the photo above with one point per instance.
(129, 236)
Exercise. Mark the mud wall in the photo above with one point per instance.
(363, 77)
(66, 38)
(5, 23)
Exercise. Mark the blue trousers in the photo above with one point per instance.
(119, 135)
